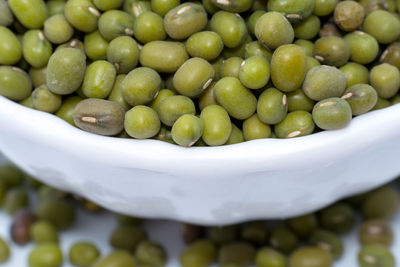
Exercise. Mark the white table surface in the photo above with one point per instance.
(97, 228)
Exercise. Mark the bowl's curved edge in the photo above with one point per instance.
(152, 154)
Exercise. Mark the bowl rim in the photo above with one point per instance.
(161, 156)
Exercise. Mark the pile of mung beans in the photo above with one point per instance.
(203, 73)
(311, 240)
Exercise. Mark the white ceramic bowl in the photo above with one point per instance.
(267, 178)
